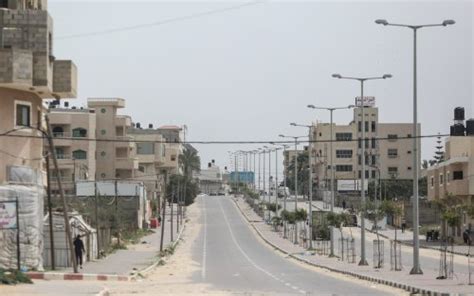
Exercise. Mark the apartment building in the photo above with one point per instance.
(29, 74)
(388, 149)
(210, 179)
(454, 175)
(173, 148)
(74, 134)
(116, 156)
(150, 151)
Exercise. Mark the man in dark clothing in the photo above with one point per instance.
(78, 249)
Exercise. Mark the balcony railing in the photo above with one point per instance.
(62, 135)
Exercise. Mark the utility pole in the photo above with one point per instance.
(50, 214)
(163, 210)
(96, 214)
(116, 211)
(61, 193)
(173, 193)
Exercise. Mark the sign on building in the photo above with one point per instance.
(8, 214)
(367, 102)
(351, 185)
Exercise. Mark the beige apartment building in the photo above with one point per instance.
(289, 157)
(388, 149)
(173, 148)
(74, 134)
(29, 74)
(150, 151)
(454, 176)
(116, 156)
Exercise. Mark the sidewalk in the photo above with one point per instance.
(425, 283)
(405, 237)
(135, 258)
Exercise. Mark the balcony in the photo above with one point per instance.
(126, 163)
(124, 142)
(100, 102)
(16, 69)
(458, 187)
(62, 139)
(123, 120)
(64, 79)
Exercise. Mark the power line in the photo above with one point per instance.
(219, 142)
(161, 22)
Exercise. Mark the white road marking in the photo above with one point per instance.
(249, 259)
(204, 244)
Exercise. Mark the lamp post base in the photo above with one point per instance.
(363, 262)
(416, 270)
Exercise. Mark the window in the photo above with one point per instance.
(23, 115)
(79, 132)
(38, 118)
(359, 157)
(343, 136)
(141, 168)
(373, 126)
(373, 175)
(145, 148)
(409, 136)
(458, 175)
(102, 153)
(360, 126)
(392, 170)
(343, 153)
(103, 132)
(320, 134)
(374, 143)
(366, 126)
(4, 3)
(374, 159)
(366, 174)
(79, 154)
(102, 175)
(392, 153)
(343, 168)
(448, 174)
(432, 181)
(392, 137)
(102, 110)
(409, 168)
(409, 152)
(441, 179)
(359, 142)
(366, 143)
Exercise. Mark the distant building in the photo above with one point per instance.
(210, 179)
(391, 157)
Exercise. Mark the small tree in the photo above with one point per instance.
(338, 220)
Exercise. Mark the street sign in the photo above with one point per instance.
(351, 185)
(8, 212)
(368, 101)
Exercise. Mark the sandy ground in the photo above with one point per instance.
(175, 277)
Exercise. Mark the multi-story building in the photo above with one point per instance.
(29, 74)
(388, 149)
(116, 156)
(289, 157)
(150, 151)
(210, 179)
(74, 132)
(173, 148)
(453, 177)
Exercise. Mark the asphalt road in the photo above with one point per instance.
(232, 258)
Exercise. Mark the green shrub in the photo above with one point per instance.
(13, 276)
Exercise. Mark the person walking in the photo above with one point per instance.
(78, 249)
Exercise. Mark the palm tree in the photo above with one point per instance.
(190, 161)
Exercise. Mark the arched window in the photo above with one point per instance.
(79, 154)
(79, 132)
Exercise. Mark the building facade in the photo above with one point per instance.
(388, 149)
(29, 74)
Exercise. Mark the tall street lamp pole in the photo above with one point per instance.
(296, 178)
(331, 111)
(363, 260)
(285, 232)
(310, 184)
(416, 269)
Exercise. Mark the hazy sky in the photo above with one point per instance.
(245, 73)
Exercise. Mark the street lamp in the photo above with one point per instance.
(331, 110)
(276, 176)
(363, 260)
(310, 191)
(296, 177)
(284, 185)
(416, 269)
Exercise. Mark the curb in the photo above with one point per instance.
(408, 288)
(77, 276)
